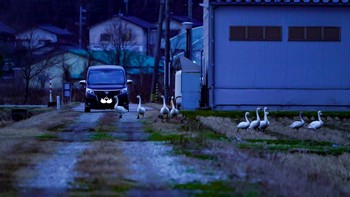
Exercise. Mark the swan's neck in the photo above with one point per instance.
(257, 115)
(246, 118)
(116, 101)
(164, 102)
(319, 118)
(265, 116)
(139, 102)
(172, 104)
(301, 118)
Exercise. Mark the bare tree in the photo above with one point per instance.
(117, 40)
(32, 61)
(65, 63)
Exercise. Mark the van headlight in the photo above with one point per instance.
(124, 90)
(90, 91)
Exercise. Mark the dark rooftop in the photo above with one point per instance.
(5, 29)
(54, 29)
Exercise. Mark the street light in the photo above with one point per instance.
(188, 27)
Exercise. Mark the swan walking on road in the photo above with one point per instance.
(314, 125)
(164, 111)
(265, 123)
(299, 123)
(244, 124)
(140, 110)
(119, 109)
(255, 124)
(173, 112)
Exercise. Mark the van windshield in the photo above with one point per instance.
(106, 77)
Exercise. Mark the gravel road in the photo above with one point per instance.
(152, 167)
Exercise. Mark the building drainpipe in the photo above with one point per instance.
(211, 57)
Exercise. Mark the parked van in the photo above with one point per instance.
(102, 84)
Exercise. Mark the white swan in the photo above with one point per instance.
(255, 124)
(299, 123)
(119, 109)
(244, 124)
(164, 111)
(173, 112)
(140, 110)
(317, 123)
(265, 123)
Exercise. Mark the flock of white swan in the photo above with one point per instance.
(261, 125)
(257, 124)
(164, 111)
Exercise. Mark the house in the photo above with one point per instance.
(176, 24)
(42, 35)
(178, 44)
(284, 54)
(7, 37)
(177, 20)
(135, 33)
(7, 33)
(70, 64)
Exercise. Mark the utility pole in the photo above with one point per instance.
(188, 26)
(157, 53)
(126, 7)
(81, 23)
(167, 51)
(190, 4)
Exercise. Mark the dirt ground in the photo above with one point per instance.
(69, 152)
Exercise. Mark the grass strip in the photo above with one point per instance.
(308, 146)
(239, 114)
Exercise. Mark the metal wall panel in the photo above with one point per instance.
(246, 69)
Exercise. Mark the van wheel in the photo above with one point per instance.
(87, 109)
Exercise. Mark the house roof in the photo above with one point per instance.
(283, 2)
(55, 30)
(182, 19)
(5, 29)
(132, 19)
(140, 22)
(103, 57)
(179, 41)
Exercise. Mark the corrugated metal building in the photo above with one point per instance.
(286, 54)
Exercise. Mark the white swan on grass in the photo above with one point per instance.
(314, 125)
(173, 112)
(244, 124)
(119, 109)
(164, 111)
(265, 123)
(299, 123)
(255, 124)
(140, 110)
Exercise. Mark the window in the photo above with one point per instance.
(237, 33)
(255, 33)
(314, 34)
(331, 33)
(296, 33)
(273, 33)
(105, 37)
